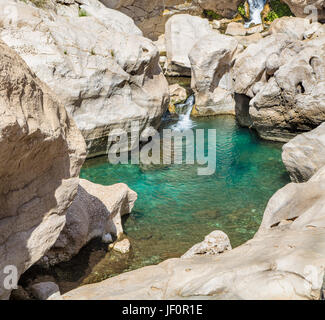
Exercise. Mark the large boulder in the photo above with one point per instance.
(281, 106)
(104, 71)
(285, 259)
(96, 212)
(212, 58)
(182, 32)
(304, 155)
(288, 105)
(252, 62)
(42, 152)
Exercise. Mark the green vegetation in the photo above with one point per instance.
(211, 15)
(82, 13)
(92, 52)
(241, 10)
(112, 54)
(278, 10)
(65, 52)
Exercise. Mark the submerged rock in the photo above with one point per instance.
(42, 152)
(46, 291)
(304, 155)
(122, 246)
(96, 212)
(215, 243)
(106, 74)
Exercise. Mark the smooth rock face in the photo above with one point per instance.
(215, 243)
(42, 152)
(281, 107)
(95, 212)
(285, 259)
(46, 291)
(304, 155)
(295, 28)
(182, 32)
(106, 74)
(212, 58)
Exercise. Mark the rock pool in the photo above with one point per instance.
(176, 208)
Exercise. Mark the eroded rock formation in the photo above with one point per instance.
(96, 211)
(212, 58)
(282, 80)
(41, 154)
(96, 60)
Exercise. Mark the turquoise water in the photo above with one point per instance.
(176, 208)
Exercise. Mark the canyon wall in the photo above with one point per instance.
(42, 152)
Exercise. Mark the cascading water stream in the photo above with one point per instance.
(184, 111)
(255, 9)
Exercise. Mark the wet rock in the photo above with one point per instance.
(46, 291)
(20, 294)
(122, 246)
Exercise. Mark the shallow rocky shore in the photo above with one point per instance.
(71, 72)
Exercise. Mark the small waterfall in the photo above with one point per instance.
(184, 111)
(255, 9)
